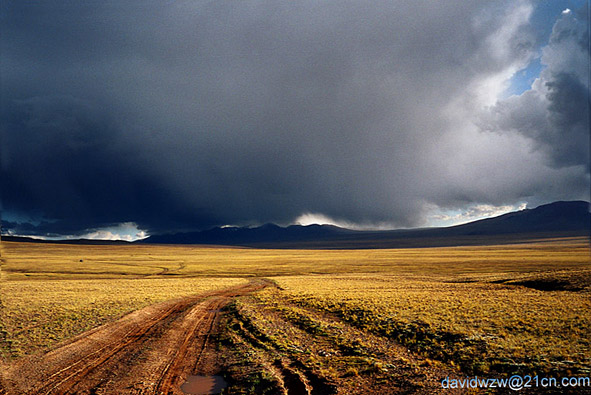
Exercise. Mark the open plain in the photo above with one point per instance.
(142, 318)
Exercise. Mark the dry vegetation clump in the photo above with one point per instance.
(479, 326)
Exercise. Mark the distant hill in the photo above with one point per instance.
(268, 233)
(24, 239)
(558, 219)
(553, 217)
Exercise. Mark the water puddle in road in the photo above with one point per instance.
(204, 385)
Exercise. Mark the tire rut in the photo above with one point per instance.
(148, 351)
(171, 375)
(294, 377)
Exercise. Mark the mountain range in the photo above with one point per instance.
(558, 219)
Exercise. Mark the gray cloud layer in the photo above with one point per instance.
(196, 114)
(554, 114)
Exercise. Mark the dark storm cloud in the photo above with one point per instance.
(569, 114)
(194, 114)
(71, 167)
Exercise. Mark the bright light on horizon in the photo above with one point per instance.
(437, 217)
(321, 219)
(126, 231)
(314, 219)
(476, 212)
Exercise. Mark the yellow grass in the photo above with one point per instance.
(50, 292)
(35, 315)
(542, 329)
(27, 260)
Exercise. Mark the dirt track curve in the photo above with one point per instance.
(150, 351)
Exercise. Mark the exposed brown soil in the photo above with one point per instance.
(150, 351)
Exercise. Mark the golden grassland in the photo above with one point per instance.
(56, 261)
(478, 325)
(475, 307)
(35, 315)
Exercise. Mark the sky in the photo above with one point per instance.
(124, 119)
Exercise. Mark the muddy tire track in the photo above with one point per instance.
(315, 353)
(291, 375)
(149, 351)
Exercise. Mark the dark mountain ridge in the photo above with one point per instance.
(558, 219)
(25, 239)
(268, 233)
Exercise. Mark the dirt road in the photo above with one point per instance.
(150, 351)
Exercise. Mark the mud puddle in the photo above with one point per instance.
(204, 385)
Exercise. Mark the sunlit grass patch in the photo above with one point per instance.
(478, 326)
(45, 261)
(488, 308)
(35, 315)
(329, 352)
